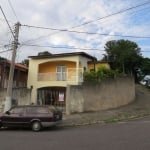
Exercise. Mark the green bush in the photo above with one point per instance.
(101, 73)
(90, 76)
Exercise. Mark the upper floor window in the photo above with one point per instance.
(61, 73)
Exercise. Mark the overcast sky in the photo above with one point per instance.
(65, 14)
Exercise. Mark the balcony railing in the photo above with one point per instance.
(72, 75)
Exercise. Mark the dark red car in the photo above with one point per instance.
(32, 116)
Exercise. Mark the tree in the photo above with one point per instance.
(124, 55)
(44, 53)
(2, 59)
(145, 66)
(25, 62)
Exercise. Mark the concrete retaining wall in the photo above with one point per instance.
(110, 93)
(20, 95)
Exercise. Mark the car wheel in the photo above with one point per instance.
(36, 126)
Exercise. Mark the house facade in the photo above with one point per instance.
(50, 74)
(20, 74)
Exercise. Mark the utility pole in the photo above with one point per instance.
(8, 100)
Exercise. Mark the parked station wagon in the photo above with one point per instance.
(35, 117)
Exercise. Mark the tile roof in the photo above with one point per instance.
(63, 55)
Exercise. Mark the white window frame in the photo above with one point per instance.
(61, 73)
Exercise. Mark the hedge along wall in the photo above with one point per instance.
(109, 93)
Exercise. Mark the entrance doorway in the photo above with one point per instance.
(55, 96)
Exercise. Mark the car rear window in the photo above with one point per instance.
(34, 110)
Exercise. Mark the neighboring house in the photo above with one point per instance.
(50, 74)
(20, 74)
(95, 65)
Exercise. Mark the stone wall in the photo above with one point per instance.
(109, 93)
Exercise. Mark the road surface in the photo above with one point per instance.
(133, 135)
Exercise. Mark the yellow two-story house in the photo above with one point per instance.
(50, 74)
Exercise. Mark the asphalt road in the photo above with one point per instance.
(133, 135)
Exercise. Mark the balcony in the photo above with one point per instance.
(72, 75)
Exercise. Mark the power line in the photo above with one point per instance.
(64, 47)
(67, 30)
(61, 47)
(4, 46)
(10, 21)
(5, 51)
(44, 36)
(110, 15)
(92, 33)
(7, 22)
(13, 9)
(137, 20)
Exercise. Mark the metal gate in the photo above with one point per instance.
(55, 96)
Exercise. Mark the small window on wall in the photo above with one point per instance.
(61, 73)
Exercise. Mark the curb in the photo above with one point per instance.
(108, 121)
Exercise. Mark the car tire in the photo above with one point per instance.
(36, 126)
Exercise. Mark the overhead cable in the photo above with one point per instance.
(6, 50)
(65, 47)
(110, 15)
(61, 47)
(62, 30)
(13, 10)
(68, 30)
(7, 22)
(94, 33)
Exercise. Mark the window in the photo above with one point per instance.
(17, 110)
(61, 73)
(35, 110)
